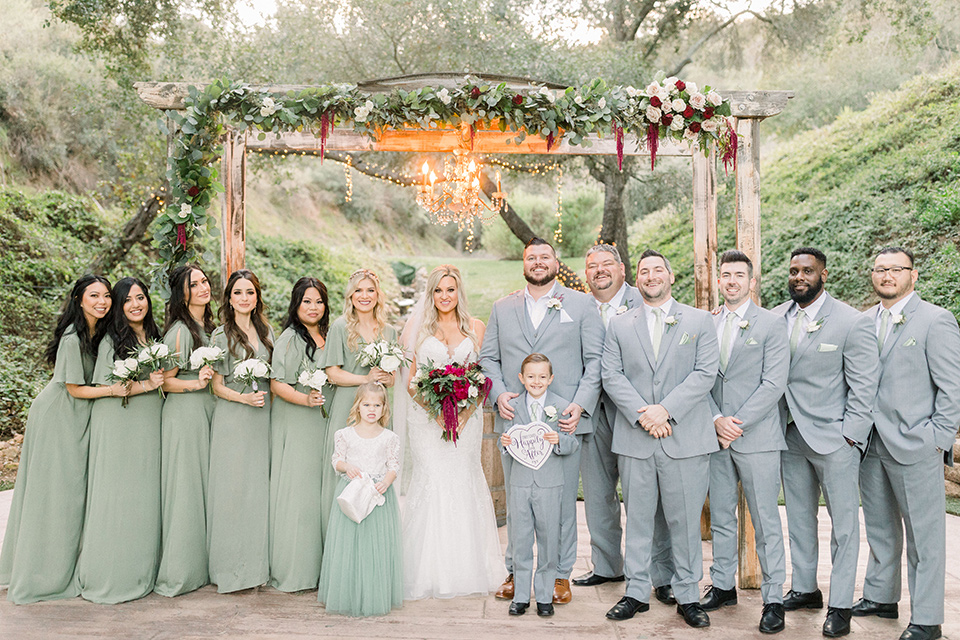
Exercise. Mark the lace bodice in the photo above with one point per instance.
(376, 456)
(435, 351)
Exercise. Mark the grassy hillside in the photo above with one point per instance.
(887, 175)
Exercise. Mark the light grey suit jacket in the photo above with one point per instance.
(551, 473)
(680, 380)
(918, 403)
(574, 348)
(833, 378)
(753, 383)
(631, 300)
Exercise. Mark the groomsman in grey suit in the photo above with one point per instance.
(606, 277)
(834, 370)
(562, 324)
(754, 364)
(916, 414)
(659, 364)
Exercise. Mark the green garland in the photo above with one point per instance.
(667, 108)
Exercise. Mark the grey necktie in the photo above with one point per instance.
(657, 331)
(536, 411)
(795, 334)
(727, 339)
(884, 325)
(605, 313)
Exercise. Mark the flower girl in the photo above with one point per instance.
(361, 570)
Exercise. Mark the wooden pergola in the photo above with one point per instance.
(749, 109)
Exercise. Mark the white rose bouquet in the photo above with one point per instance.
(249, 371)
(125, 371)
(385, 355)
(314, 379)
(206, 357)
(153, 357)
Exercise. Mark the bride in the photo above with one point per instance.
(450, 542)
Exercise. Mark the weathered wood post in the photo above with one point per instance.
(233, 224)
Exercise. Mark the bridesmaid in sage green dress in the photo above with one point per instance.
(185, 436)
(238, 494)
(121, 531)
(42, 540)
(297, 429)
(364, 320)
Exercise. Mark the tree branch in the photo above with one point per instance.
(688, 57)
(132, 233)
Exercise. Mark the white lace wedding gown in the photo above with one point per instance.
(450, 542)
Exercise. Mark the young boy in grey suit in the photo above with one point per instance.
(534, 494)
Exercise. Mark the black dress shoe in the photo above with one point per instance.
(796, 600)
(591, 580)
(715, 597)
(837, 623)
(864, 607)
(772, 619)
(664, 594)
(545, 610)
(694, 615)
(627, 608)
(518, 608)
(921, 632)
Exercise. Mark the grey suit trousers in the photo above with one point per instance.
(805, 474)
(568, 513)
(759, 474)
(681, 486)
(598, 467)
(506, 461)
(898, 497)
(536, 512)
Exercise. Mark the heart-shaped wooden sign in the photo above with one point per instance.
(527, 445)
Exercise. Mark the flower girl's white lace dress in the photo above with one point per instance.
(450, 542)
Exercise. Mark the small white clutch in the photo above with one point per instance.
(359, 498)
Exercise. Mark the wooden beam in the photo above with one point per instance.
(705, 229)
(171, 95)
(233, 238)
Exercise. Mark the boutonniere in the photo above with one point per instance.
(670, 320)
(744, 325)
(551, 413)
(899, 319)
(555, 303)
(814, 326)
(622, 309)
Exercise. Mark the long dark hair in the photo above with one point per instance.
(293, 317)
(235, 335)
(124, 339)
(72, 316)
(178, 307)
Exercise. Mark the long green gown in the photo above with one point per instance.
(296, 543)
(184, 462)
(238, 494)
(42, 540)
(338, 353)
(121, 534)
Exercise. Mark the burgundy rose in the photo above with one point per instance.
(695, 127)
(437, 389)
(475, 93)
(461, 390)
(193, 191)
(518, 99)
(666, 119)
(688, 112)
(707, 113)
(655, 101)
(681, 85)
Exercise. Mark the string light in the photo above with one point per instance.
(558, 234)
(348, 177)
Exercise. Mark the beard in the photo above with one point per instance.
(899, 292)
(536, 281)
(809, 295)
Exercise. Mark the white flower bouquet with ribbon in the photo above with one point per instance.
(250, 371)
(314, 379)
(385, 355)
(125, 371)
(206, 357)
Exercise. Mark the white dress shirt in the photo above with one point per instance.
(894, 311)
(810, 315)
(722, 321)
(615, 303)
(537, 309)
(652, 319)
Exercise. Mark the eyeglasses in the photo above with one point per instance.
(879, 271)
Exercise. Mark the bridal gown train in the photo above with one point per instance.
(450, 542)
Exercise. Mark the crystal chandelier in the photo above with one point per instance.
(457, 196)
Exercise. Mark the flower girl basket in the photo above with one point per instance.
(359, 498)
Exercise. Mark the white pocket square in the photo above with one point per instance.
(686, 338)
(565, 317)
(823, 346)
(912, 342)
(750, 342)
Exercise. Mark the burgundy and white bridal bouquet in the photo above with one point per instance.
(385, 355)
(448, 390)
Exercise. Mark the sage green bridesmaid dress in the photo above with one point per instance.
(338, 353)
(296, 542)
(184, 462)
(238, 493)
(42, 539)
(121, 534)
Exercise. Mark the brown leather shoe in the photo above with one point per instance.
(505, 592)
(561, 591)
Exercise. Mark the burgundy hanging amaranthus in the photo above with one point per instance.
(549, 140)
(324, 131)
(182, 235)
(730, 152)
(618, 132)
(653, 142)
(451, 418)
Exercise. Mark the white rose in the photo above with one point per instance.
(710, 126)
(714, 98)
(691, 88)
(632, 92)
(548, 94)
(698, 101)
(304, 379)
(368, 105)
(196, 359)
(653, 114)
(551, 412)
(676, 124)
(482, 378)
(579, 100)
(319, 378)
(260, 370)
(370, 349)
(653, 88)
(120, 369)
(390, 363)
(664, 95)
(473, 393)
(144, 355)
(160, 350)
(360, 113)
(269, 107)
(602, 103)
(670, 83)
(444, 96)
(678, 105)
(689, 135)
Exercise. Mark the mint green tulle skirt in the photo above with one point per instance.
(361, 573)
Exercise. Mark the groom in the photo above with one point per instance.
(563, 325)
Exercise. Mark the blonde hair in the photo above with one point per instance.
(350, 313)
(431, 317)
(369, 389)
